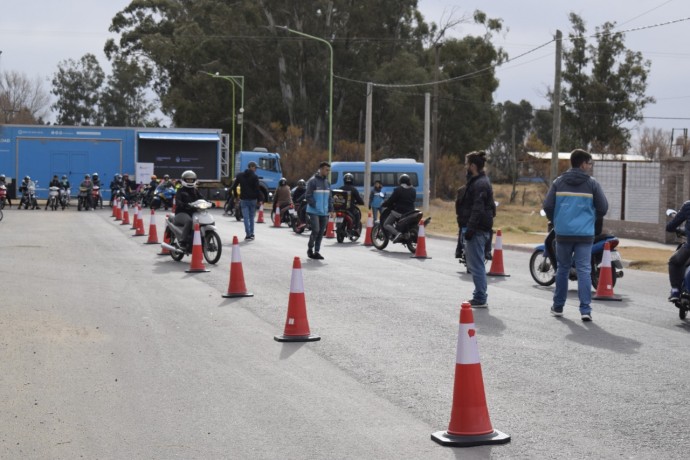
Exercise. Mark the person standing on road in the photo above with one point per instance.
(248, 182)
(573, 203)
(319, 208)
(376, 198)
(476, 211)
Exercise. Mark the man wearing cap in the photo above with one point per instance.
(248, 182)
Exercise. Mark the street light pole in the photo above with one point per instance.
(330, 106)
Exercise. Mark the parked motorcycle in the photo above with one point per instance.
(29, 196)
(407, 225)
(96, 198)
(65, 199)
(683, 302)
(84, 199)
(210, 241)
(53, 198)
(3, 196)
(163, 197)
(542, 263)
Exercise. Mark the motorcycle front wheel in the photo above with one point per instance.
(378, 237)
(541, 269)
(212, 247)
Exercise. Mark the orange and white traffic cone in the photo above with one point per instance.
(236, 286)
(367, 235)
(276, 217)
(497, 260)
(297, 324)
(135, 217)
(114, 206)
(153, 232)
(420, 251)
(605, 284)
(140, 223)
(330, 228)
(125, 214)
(470, 424)
(197, 263)
(260, 218)
(166, 240)
(118, 209)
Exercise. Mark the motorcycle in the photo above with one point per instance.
(65, 197)
(287, 215)
(542, 263)
(407, 225)
(302, 222)
(683, 302)
(117, 193)
(163, 197)
(84, 199)
(3, 196)
(29, 197)
(53, 197)
(96, 199)
(210, 241)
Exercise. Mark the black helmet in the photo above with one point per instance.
(404, 179)
(348, 178)
(282, 181)
(301, 183)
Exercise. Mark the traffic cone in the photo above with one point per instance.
(135, 220)
(217, 204)
(114, 206)
(140, 224)
(497, 260)
(166, 240)
(330, 228)
(260, 218)
(236, 286)
(297, 324)
(197, 263)
(118, 209)
(470, 424)
(420, 252)
(276, 217)
(367, 235)
(153, 233)
(605, 284)
(125, 214)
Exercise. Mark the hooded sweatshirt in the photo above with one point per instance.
(573, 203)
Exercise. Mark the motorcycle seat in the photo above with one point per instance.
(603, 236)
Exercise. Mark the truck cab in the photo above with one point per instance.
(268, 168)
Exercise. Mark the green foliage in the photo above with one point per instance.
(123, 102)
(77, 87)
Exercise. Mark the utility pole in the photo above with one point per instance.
(434, 118)
(427, 189)
(556, 135)
(367, 145)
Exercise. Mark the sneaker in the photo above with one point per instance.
(675, 295)
(317, 256)
(250, 237)
(586, 317)
(557, 311)
(310, 253)
(477, 304)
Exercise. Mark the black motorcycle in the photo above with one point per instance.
(301, 222)
(407, 225)
(683, 302)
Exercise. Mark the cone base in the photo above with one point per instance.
(238, 294)
(152, 242)
(613, 297)
(497, 274)
(197, 270)
(420, 257)
(138, 235)
(297, 338)
(446, 439)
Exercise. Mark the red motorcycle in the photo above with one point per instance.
(96, 199)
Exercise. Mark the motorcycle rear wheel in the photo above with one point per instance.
(176, 256)
(541, 269)
(378, 237)
(412, 242)
(212, 247)
(340, 234)
(595, 275)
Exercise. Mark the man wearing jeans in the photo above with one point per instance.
(574, 202)
(478, 209)
(319, 207)
(248, 182)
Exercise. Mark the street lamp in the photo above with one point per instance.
(330, 106)
(239, 81)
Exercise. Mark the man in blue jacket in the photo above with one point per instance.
(319, 207)
(573, 203)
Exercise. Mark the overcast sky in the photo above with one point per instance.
(35, 35)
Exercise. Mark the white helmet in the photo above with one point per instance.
(189, 178)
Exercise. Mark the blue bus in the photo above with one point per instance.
(387, 171)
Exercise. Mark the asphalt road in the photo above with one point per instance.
(108, 350)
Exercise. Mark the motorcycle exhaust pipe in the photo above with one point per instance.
(171, 248)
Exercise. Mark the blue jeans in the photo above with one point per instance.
(248, 210)
(474, 254)
(376, 213)
(581, 253)
(318, 228)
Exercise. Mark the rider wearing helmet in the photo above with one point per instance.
(88, 185)
(400, 202)
(186, 195)
(115, 186)
(53, 183)
(3, 180)
(298, 191)
(356, 198)
(96, 181)
(282, 197)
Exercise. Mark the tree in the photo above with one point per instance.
(124, 102)
(516, 121)
(77, 86)
(22, 101)
(604, 87)
(654, 143)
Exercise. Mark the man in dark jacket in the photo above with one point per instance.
(573, 203)
(250, 193)
(400, 202)
(676, 264)
(184, 210)
(476, 211)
